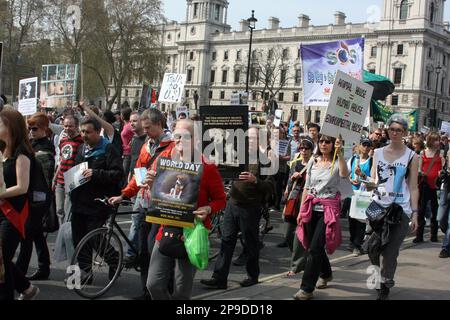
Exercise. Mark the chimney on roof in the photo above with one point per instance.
(303, 21)
(339, 18)
(244, 25)
(274, 23)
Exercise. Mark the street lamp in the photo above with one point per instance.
(438, 70)
(251, 25)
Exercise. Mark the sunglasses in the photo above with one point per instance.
(325, 141)
(304, 148)
(33, 128)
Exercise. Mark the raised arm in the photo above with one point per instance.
(109, 129)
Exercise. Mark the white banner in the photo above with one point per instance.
(278, 117)
(73, 178)
(445, 127)
(172, 88)
(28, 96)
(348, 108)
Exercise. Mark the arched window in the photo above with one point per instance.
(404, 10)
(432, 12)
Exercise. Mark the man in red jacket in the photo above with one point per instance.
(153, 123)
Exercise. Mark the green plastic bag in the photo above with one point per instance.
(197, 245)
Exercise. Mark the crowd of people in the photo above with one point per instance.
(406, 172)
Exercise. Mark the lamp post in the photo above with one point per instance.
(438, 70)
(251, 25)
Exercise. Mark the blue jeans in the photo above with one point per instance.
(446, 243)
(133, 235)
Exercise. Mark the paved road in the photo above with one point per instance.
(274, 263)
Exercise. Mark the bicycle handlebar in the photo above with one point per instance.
(106, 203)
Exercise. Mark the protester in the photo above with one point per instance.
(431, 164)
(243, 212)
(45, 154)
(318, 220)
(211, 199)
(397, 189)
(417, 145)
(14, 207)
(103, 175)
(127, 135)
(313, 132)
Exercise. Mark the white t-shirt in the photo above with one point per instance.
(391, 179)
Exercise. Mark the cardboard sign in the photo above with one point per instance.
(348, 108)
(172, 88)
(278, 117)
(282, 147)
(58, 85)
(28, 96)
(183, 112)
(425, 130)
(175, 193)
(445, 127)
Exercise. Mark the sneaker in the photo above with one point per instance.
(416, 240)
(214, 284)
(323, 283)
(357, 252)
(434, 239)
(383, 293)
(350, 247)
(31, 295)
(444, 254)
(248, 282)
(303, 295)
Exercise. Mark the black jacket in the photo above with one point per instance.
(106, 177)
(45, 154)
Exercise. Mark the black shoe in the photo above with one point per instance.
(214, 284)
(240, 261)
(416, 240)
(248, 282)
(444, 254)
(39, 275)
(282, 244)
(434, 239)
(383, 293)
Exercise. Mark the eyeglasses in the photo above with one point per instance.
(33, 128)
(325, 141)
(398, 130)
(304, 148)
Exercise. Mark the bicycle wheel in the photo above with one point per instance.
(99, 255)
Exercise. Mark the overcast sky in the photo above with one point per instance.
(321, 12)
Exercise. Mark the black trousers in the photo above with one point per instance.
(34, 233)
(427, 194)
(147, 236)
(14, 278)
(235, 219)
(317, 263)
(357, 232)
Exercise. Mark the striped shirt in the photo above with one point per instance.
(68, 151)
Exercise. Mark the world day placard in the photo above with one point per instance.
(175, 193)
(348, 108)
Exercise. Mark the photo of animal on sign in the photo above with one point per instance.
(348, 108)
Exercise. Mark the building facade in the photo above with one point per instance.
(410, 45)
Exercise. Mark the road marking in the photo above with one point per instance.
(282, 275)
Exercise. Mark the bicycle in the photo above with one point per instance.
(100, 248)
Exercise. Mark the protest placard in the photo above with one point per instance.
(174, 193)
(278, 117)
(257, 118)
(172, 88)
(425, 130)
(58, 85)
(282, 147)
(73, 178)
(348, 108)
(182, 112)
(445, 127)
(28, 96)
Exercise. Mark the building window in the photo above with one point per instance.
(372, 70)
(138, 93)
(195, 10)
(168, 60)
(189, 75)
(429, 80)
(237, 76)
(442, 107)
(444, 59)
(432, 12)
(296, 95)
(210, 94)
(270, 54)
(373, 52)
(400, 49)
(238, 55)
(109, 92)
(285, 53)
(281, 96)
(298, 76)
(294, 114)
(214, 56)
(191, 55)
(225, 55)
(224, 76)
(397, 76)
(254, 55)
(169, 37)
(266, 96)
(317, 116)
(213, 76)
(186, 93)
(442, 85)
(394, 100)
(254, 96)
(405, 98)
(404, 10)
(217, 12)
(222, 95)
(430, 52)
(126, 92)
(283, 76)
